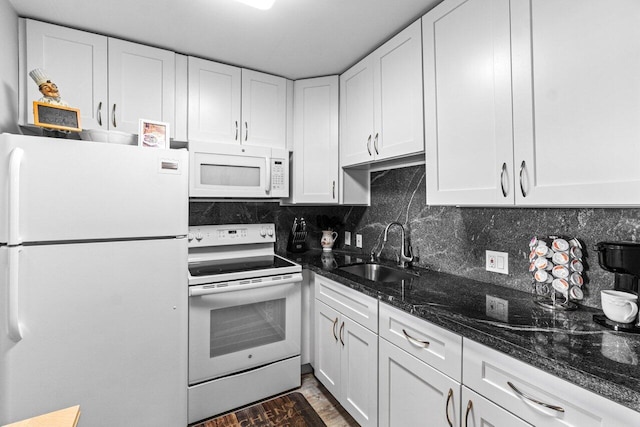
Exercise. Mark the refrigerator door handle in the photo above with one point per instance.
(15, 161)
(15, 332)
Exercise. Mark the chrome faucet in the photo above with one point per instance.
(402, 259)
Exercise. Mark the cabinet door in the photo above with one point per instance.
(327, 348)
(478, 411)
(413, 393)
(264, 109)
(315, 153)
(397, 94)
(467, 96)
(576, 96)
(76, 61)
(359, 372)
(214, 101)
(356, 114)
(141, 85)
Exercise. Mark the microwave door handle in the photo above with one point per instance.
(197, 291)
(15, 161)
(267, 187)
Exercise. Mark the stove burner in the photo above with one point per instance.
(211, 268)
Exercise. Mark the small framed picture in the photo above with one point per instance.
(153, 134)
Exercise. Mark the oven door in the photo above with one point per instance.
(235, 328)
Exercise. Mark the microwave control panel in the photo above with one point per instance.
(279, 179)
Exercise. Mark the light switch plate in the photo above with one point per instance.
(358, 240)
(347, 238)
(497, 262)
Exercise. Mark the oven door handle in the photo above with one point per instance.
(197, 291)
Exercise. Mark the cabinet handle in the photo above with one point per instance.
(342, 334)
(375, 144)
(446, 407)
(522, 166)
(466, 415)
(334, 189)
(246, 131)
(100, 113)
(335, 322)
(423, 344)
(546, 405)
(502, 173)
(113, 115)
(236, 138)
(369, 144)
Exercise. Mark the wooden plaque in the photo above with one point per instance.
(56, 117)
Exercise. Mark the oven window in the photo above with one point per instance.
(246, 326)
(225, 175)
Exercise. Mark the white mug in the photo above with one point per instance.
(619, 306)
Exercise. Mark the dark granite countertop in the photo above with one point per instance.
(568, 345)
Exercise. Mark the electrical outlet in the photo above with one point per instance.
(497, 262)
(497, 308)
(347, 238)
(359, 241)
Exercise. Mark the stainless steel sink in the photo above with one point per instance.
(377, 272)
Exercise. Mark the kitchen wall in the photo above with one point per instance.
(8, 68)
(447, 239)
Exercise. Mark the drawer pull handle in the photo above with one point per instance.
(335, 322)
(446, 408)
(466, 415)
(423, 344)
(342, 333)
(546, 405)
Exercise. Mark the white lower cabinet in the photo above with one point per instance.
(478, 411)
(536, 396)
(413, 393)
(346, 352)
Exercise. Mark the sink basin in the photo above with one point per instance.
(377, 272)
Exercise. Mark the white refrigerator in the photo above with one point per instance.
(93, 281)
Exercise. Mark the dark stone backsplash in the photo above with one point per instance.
(447, 239)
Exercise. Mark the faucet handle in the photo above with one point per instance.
(373, 255)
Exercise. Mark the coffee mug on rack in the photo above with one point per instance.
(619, 306)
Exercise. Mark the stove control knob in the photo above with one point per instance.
(270, 232)
(190, 236)
(263, 232)
(199, 236)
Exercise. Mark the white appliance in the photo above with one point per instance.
(237, 171)
(244, 318)
(92, 254)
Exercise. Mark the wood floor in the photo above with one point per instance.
(331, 412)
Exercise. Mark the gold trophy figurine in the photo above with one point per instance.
(49, 90)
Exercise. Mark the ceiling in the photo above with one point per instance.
(294, 39)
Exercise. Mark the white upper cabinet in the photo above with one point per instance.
(214, 101)
(142, 81)
(532, 103)
(467, 97)
(576, 101)
(232, 105)
(315, 141)
(381, 102)
(264, 109)
(114, 83)
(76, 61)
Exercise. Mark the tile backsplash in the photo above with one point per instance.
(448, 239)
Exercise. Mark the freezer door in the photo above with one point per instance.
(104, 326)
(59, 190)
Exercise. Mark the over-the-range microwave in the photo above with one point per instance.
(219, 170)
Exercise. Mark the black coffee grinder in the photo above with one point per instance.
(622, 259)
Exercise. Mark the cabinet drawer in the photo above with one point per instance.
(359, 307)
(430, 343)
(478, 411)
(489, 372)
